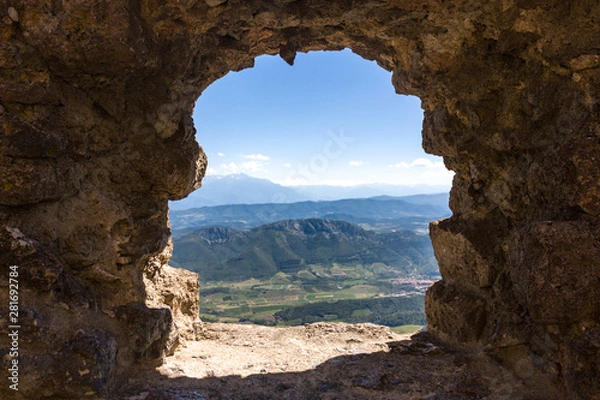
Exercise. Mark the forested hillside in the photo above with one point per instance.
(226, 254)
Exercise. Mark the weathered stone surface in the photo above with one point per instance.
(96, 136)
(150, 331)
(459, 261)
(555, 272)
(177, 289)
(455, 312)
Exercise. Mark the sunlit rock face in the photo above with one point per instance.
(96, 136)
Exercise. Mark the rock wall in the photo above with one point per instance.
(96, 136)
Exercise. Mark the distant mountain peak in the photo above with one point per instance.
(313, 226)
(218, 234)
(237, 189)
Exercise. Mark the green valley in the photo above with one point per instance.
(300, 271)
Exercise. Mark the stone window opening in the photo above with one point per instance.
(322, 153)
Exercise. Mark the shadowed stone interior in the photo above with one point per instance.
(96, 136)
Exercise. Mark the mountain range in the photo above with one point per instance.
(306, 261)
(382, 214)
(292, 246)
(243, 189)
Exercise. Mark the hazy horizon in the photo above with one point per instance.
(444, 187)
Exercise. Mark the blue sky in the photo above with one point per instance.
(333, 118)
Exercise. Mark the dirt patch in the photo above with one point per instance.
(232, 349)
(321, 361)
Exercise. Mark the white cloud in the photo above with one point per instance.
(402, 164)
(419, 163)
(231, 168)
(357, 163)
(250, 163)
(254, 166)
(287, 165)
(258, 157)
(422, 162)
(237, 168)
(211, 171)
(422, 170)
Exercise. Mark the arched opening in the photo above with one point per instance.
(279, 139)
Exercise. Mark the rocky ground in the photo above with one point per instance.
(322, 361)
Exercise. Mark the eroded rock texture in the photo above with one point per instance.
(96, 136)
